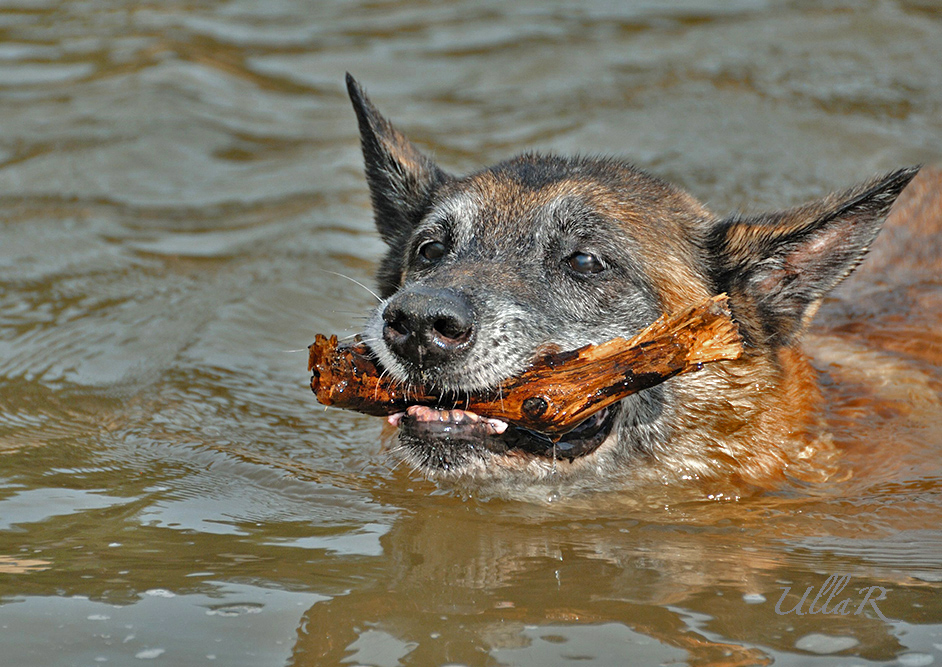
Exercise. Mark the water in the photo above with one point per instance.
(180, 181)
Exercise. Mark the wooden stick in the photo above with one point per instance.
(558, 390)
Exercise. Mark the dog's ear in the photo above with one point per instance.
(400, 177)
(777, 267)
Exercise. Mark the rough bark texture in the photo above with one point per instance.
(558, 390)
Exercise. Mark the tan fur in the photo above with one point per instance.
(635, 247)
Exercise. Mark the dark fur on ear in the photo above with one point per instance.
(777, 267)
(400, 177)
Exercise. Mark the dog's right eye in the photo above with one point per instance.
(432, 251)
(585, 263)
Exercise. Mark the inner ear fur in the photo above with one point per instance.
(778, 266)
(400, 177)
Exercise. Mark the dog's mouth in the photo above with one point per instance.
(431, 427)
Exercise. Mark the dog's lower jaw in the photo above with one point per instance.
(474, 466)
(477, 471)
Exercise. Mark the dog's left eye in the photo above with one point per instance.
(584, 263)
(432, 251)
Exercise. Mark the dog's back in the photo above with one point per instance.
(877, 346)
(907, 251)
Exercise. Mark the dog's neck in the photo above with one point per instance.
(753, 421)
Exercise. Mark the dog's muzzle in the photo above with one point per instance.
(430, 327)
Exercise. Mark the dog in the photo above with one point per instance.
(483, 271)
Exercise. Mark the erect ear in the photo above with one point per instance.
(400, 177)
(777, 267)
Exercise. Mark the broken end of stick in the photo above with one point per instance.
(715, 334)
(706, 331)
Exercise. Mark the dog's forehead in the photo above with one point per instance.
(510, 205)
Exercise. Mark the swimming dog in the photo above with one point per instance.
(482, 271)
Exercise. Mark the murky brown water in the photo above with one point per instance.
(180, 181)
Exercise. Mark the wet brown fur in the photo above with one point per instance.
(749, 422)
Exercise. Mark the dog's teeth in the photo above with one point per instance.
(422, 413)
(418, 412)
(463, 417)
(498, 425)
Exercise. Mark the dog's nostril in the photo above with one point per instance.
(452, 329)
(399, 325)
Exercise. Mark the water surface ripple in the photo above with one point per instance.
(180, 183)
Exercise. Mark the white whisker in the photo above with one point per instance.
(355, 282)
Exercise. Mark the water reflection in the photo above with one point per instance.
(494, 587)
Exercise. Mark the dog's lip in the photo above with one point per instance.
(450, 418)
(582, 440)
(458, 426)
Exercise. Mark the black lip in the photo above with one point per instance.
(580, 441)
(454, 431)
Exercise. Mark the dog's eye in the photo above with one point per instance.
(432, 251)
(584, 263)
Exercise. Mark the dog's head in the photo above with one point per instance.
(484, 270)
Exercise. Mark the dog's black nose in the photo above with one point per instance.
(428, 326)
